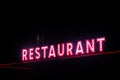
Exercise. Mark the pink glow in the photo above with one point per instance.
(69, 49)
(51, 52)
(100, 40)
(60, 54)
(90, 46)
(16, 65)
(79, 48)
(24, 54)
(44, 51)
(31, 54)
(37, 51)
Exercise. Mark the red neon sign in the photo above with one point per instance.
(64, 50)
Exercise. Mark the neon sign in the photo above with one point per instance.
(68, 49)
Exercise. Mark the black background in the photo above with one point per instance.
(60, 22)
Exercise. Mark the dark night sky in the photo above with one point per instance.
(61, 24)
